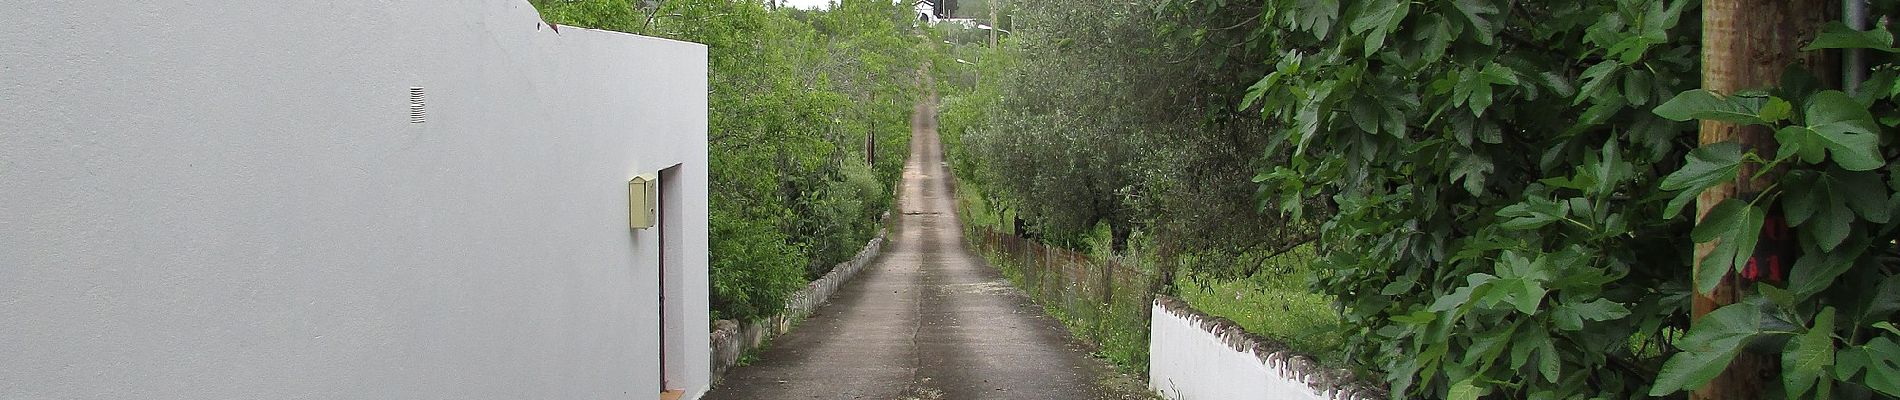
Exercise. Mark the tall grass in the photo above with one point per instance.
(1274, 302)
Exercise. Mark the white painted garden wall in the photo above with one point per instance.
(224, 200)
(1193, 356)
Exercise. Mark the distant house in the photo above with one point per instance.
(926, 11)
(934, 11)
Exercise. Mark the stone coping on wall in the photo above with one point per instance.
(1334, 383)
(731, 339)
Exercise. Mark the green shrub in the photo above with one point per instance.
(793, 95)
(1274, 302)
(841, 216)
(753, 268)
(1509, 180)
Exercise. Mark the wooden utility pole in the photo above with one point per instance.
(870, 137)
(1746, 44)
(994, 25)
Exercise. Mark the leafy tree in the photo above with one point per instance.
(1484, 159)
(1498, 184)
(795, 98)
(1509, 180)
(1096, 119)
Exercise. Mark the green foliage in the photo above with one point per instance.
(1502, 183)
(1709, 347)
(1706, 167)
(1499, 168)
(1084, 117)
(1834, 197)
(835, 214)
(757, 268)
(795, 98)
(613, 15)
(1491, 163)
(1275, 303)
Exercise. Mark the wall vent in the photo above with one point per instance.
(417, 113)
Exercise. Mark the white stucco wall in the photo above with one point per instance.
(1189, 363)
(227, 200)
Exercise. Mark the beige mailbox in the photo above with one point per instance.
(642, 199)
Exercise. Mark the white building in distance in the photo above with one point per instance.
(926, 11)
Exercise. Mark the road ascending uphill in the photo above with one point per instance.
(927, 320)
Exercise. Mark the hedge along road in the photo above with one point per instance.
(927, 320)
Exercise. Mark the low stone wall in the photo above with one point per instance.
(1195, 356)
(731, 339)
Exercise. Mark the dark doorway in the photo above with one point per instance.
(667, 216)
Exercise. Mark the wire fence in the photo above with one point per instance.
(1104, 302)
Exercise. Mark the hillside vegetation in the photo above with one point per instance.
(797, 99)
(1497, 194)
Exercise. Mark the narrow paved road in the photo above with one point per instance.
(927, 320)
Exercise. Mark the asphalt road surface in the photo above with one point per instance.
(927, 320)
